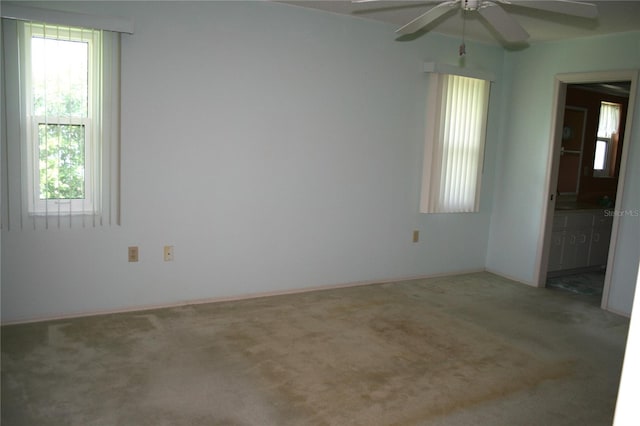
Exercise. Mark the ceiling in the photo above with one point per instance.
(613, 17)
(616, 88)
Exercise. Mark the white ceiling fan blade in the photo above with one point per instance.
(428, 17)
(378, 1)
(566, 7)
(503, 23)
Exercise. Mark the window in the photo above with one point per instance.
(61, 96)
(454, 143)
(608, 127)
(62, 104)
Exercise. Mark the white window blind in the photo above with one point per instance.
(609, 119)
(61, 145)
(454, 143)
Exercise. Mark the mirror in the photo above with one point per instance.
(571, 150)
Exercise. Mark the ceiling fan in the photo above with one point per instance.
(495, 15)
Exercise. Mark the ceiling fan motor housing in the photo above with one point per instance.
(470, 4)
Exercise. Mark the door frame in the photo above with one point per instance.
(553, 161)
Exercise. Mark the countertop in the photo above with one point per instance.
(566, 206)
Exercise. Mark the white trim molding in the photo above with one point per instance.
(561, 81)
(246, 296)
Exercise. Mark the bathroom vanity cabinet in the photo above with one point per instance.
(579, 240)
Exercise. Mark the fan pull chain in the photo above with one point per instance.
(463, 48)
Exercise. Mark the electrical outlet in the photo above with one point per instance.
(416, 236)
(168, 253)
(133, 253)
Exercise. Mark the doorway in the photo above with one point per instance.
(582, 178)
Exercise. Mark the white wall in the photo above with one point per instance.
(275, 147)
(520, 189)
(627, 410)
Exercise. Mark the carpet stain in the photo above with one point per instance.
(389, 360)
(375, 355)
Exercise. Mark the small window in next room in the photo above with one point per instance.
(608, 132)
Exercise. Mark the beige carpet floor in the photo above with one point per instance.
(473, 349)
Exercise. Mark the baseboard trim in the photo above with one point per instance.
(248, 296)
(511, 278)
(617, 312)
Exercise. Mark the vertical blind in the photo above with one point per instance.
(61, 145)
(454, 144)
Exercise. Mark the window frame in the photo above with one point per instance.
(52, 206)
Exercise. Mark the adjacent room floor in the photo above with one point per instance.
(587, 285)
(472, 349)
